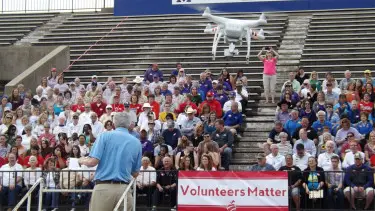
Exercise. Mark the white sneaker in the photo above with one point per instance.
(55, 209)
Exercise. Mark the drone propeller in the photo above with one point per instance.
(202, 8)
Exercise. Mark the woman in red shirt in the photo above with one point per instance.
(57, 156)
(366, 105)
(269, 72)
(79, 106)
(134, 105)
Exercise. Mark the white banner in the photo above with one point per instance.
(244, 190)
(216, 1)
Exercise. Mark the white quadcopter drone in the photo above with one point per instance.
(233, 30)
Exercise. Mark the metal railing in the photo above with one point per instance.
(124, 197)
(144, 189)
(28, 196)
(42, 6)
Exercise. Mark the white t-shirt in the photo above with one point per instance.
(276, 161)
(30, 176)
(324, 161)
(349, 159)
(146, 176)
(10, 177)
(301, 162)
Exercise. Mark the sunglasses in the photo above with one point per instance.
(8, 117)
(75, 117)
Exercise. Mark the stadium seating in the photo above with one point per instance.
(340, 40)
(14, 27)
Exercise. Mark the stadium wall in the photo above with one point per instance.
(37, 68)
(152, 7)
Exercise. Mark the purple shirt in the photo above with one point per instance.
(146, 146)
(283, 117)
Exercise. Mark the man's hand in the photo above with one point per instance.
(11, 187)
(361, 189)
(167, 187)
(160, 189)
(221, 150)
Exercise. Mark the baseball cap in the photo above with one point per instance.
(367, 71)
(232, 94)
(210, 94)
(94, 76)
(127, 104)
(53, 70)
(215, 81)
(108, 106)
(357, 156)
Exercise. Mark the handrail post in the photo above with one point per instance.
(72, 6)
(104, 4)
(29, 202)
(25, 6)
(40, 203)
(134, 193)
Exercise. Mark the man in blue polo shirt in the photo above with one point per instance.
(319, 124)
(113, 175)
(233, 119)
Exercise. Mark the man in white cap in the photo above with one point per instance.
(94, 78)
(189, 124)
(143, 117)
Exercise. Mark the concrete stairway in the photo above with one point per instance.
(340, 40)
(14, 27)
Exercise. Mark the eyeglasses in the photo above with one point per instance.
(75, 117)
(329, 106)
(349, 136)
(109, 108)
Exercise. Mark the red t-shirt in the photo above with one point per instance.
(76, 107)
(118, 107)
(57, 163)
(155, 108)
(346, 147)
(99, 109)
(136, 107)
(366, 106)
(40, 161)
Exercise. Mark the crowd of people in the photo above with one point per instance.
(181, 123)
(324, 135)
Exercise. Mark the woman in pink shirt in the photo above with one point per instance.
(269, 72)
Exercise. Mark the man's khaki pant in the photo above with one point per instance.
(106, 196)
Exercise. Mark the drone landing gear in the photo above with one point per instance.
(231, 51)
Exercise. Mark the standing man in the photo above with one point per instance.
(113, 175)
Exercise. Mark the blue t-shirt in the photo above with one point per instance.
(231, 119)
(119, 155)
(58, 109)
(318, 126)
(364, 128)
(291, 126)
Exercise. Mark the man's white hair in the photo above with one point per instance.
(121, 119)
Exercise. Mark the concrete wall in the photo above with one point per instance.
(31, 75)
(16, 59)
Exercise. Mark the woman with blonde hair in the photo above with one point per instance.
(187, 152)
(206, 163)
(314, 79)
